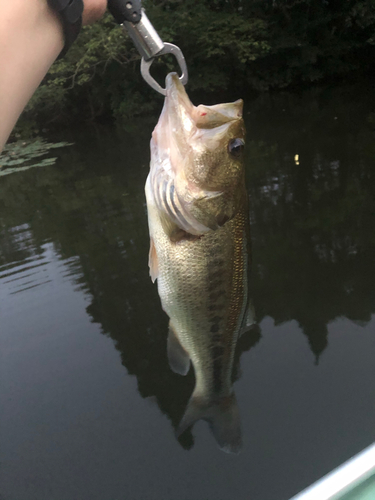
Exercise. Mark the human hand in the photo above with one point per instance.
(31, 37)
(93, 11)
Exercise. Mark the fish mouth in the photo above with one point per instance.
(172, 134)
(178, 104)
(176, 94)
(185, 130)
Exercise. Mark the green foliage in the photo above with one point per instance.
(237, 45)
(19, 156)
(217, 44)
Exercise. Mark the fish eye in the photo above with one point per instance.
(235, 147)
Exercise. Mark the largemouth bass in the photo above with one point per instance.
(199, 232)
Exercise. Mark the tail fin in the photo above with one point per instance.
(222, 415)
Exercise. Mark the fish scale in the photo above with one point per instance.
(199, 232)
(185, 278)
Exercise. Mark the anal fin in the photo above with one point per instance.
(178, 358)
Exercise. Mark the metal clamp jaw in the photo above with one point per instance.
(133, 18)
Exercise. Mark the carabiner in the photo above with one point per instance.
(168, 48)
(130, 15)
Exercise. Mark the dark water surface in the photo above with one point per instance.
(88, 404)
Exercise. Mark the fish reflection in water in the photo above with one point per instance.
(199, 238)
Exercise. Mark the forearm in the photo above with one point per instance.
(31, 38)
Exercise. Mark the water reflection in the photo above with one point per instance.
(313, 223)
(312, 230)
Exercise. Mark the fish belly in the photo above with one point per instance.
(202, 284)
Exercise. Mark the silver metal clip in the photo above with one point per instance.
(169, 48)
(145, 37)
(150, 45)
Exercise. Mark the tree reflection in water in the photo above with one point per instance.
(312, 228)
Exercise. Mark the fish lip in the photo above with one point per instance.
(198, 117)
(173, 84)
(175, 124)
(178, 105)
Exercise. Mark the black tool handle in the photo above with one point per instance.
(125, 10)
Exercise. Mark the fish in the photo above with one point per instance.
(198, 220)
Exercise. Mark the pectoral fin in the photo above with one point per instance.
(171, 229)
(178, 358)
(249, 318)
(153, 261)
